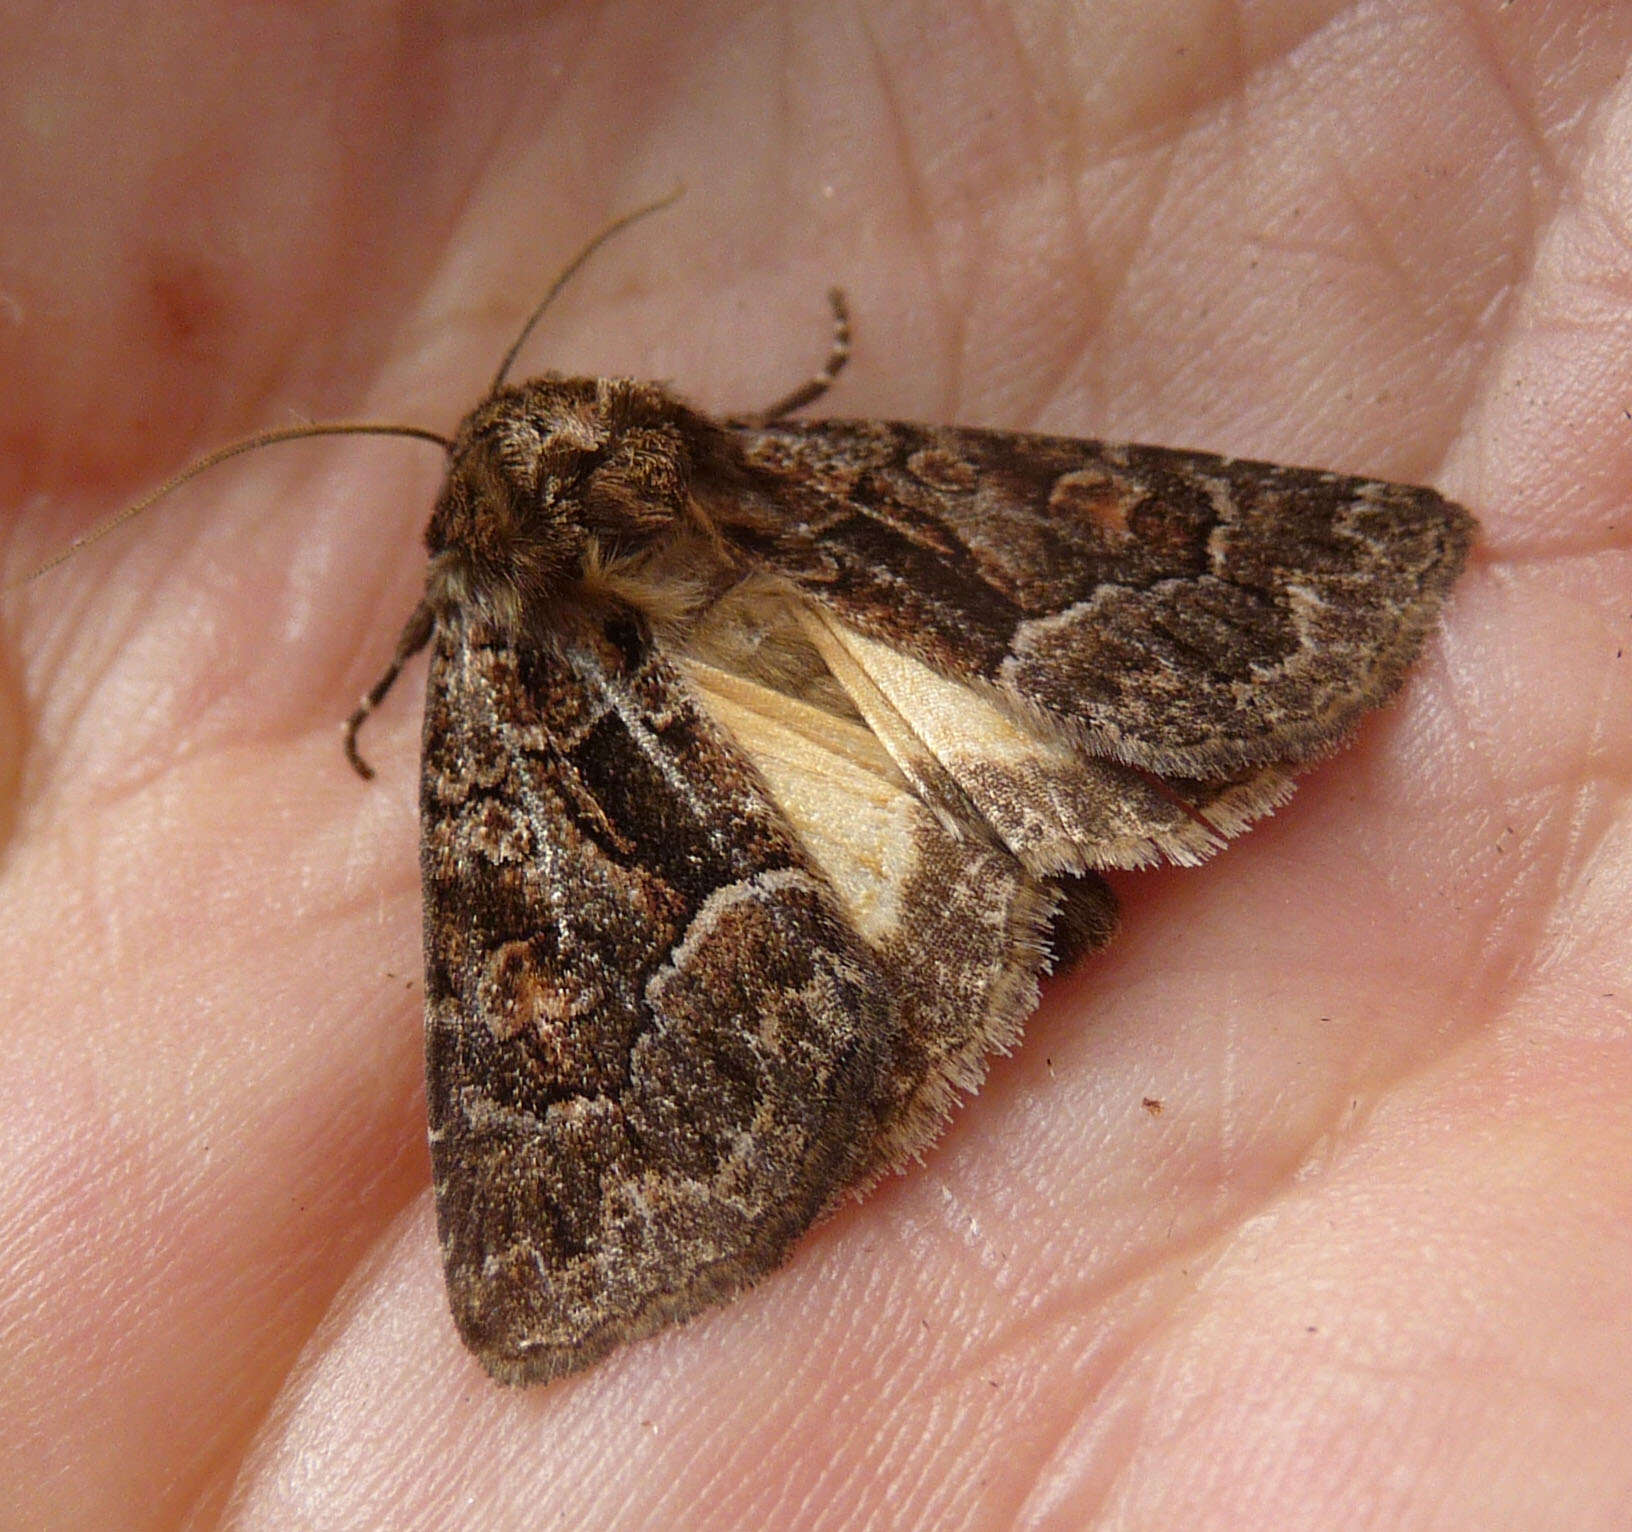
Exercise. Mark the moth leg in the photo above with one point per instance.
(813, 388)
(416, 633)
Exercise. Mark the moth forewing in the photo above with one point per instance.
(1188, 614)
(655, 1046)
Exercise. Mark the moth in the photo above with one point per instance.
(769, 762)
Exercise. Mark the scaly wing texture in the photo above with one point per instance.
(958, 926)
(1186, 614)
(654, 1044)
(1052, 804)
(697, 961)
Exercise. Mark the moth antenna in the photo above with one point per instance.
(815, 386)
(617, 226)
(220, 455)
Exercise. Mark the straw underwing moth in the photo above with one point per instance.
(767, 763)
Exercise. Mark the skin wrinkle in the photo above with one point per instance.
(1524, 926)
(1619, 228)
(1050, 387)
(1407, 290)
(1383, 259)
(1108, 296)
(198, 740)
(1102, 148)
(1032, 109)
(1197, 1253)
(1588, 823)
(916, 214)
(1479, 28)
(1003, 1354)
(1374, 242)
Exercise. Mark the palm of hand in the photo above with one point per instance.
(1368, 1252)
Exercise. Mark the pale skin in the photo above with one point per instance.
(1307, 1204)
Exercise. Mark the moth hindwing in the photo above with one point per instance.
(763, 764)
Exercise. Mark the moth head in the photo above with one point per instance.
(554, 477)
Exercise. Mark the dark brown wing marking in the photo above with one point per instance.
(1178, 611)
(655, 1050)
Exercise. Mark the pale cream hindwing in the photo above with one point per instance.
(959, 924)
